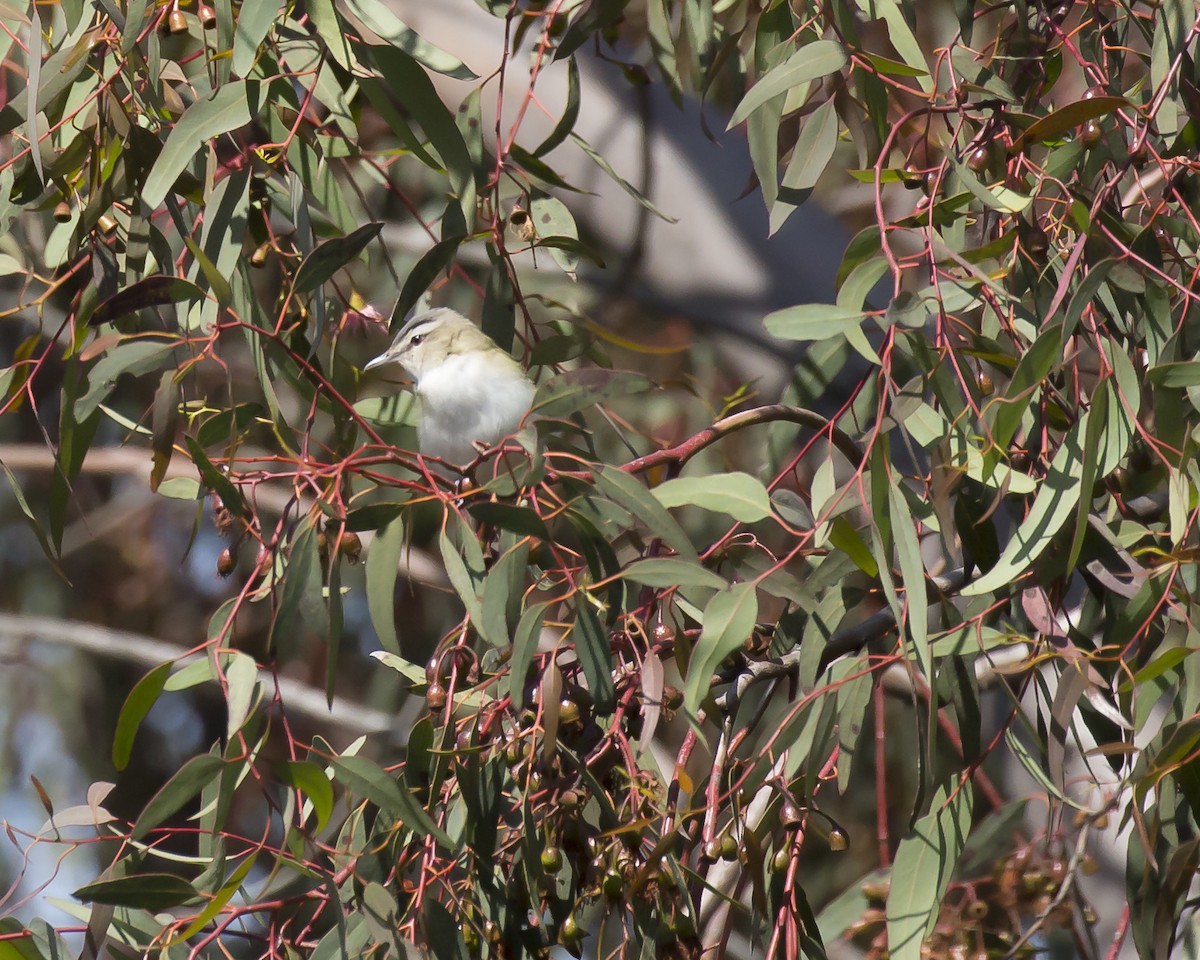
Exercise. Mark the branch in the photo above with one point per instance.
(841, 643)
(298, 698)
(415, 564)
(683, 452)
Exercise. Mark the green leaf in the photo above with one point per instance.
(34, 523)
(331, 255)
(217, 481)
(142, 697)
(465, 583)
(924, 864)
(552, 221)
(383, 564)
(1035, 364)
(592, 649)
(402, 73)
(132, 357)
(183, 786)
(164, 423)
(253, 23)
(382, 22)
(525, 644)
(1053, 505)
(241, 683)
(625, 185)
(1185, 373)
(433, 261)
(812, 321)
(661, 572)
(310, 779)
(629, 493)
(500, 599)
(156, 290)
(566, 123)
(914, 613)
(522, 521)
(809, 62)
(1064, 119)
(813, 151)
(369, 781)
(233, 106)
(737, 494)
(727, 624)
(146, 891)
(301, 608)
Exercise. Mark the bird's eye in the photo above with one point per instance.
(416, 341)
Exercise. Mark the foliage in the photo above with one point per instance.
(642, 714)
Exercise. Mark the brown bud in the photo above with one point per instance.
(435, 697)
(1091, 134)
(979, 160)
(226, 562)
(790, 816)
(351, 546)
(985, 384)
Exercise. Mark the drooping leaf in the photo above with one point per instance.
(154, 291)
(330, 256)
(592, 648)
(141, 698)
(728, 623)
(809, 62)
(146, 891)
(231, 107)
(924, 864)
(177, 792)
(812, 321)
(383, 564)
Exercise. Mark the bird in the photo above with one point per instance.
(471, 391)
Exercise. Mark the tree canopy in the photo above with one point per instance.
(891, 657)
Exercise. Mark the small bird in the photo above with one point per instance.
(471, 391)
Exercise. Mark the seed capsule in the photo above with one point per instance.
(552, 860)
(435, 697)
(62, 212)
(207, 15)
(351, 546)
(176, 22)
(979, 160)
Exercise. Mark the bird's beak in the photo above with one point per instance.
(379, 361)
